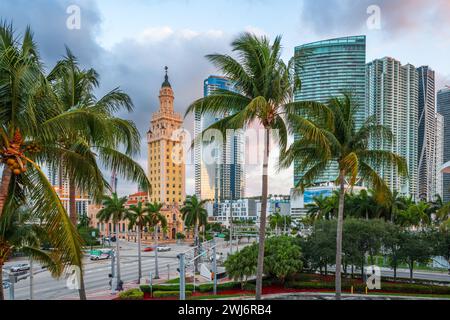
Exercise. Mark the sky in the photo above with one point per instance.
(130, 41)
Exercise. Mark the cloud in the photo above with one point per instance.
(348, 16)
(48, 21)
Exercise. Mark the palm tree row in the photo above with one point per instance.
(394, 208)
(56, 120)
(138, 216)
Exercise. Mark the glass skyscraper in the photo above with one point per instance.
(326, 69)
(443, 108)
(392, 95)
(224, 179)
(428, 166)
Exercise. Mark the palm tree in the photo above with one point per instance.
(138, 218)
(364, 205)
(19, 231)
(156, 220)
(320, 209)
(415, 215)
(78, 152)
(265, 86)
(348, 147)
(114, 211)
(26, 108)
(194, 215)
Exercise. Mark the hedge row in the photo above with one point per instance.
(387, 287)
(165, 287)
(132, 294)
(209, 287)
(170, 294)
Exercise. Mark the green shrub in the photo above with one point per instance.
(360, 287)
(166, 287)
(209, 287)
(169, 294)
(249, 287)
(132, 294)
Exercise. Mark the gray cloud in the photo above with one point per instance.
(48, 21)
(347, 16)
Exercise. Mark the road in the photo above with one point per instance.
(97, 281)
(96, 273)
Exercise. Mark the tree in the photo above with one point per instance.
(78, 153)
(156, 219)
(392, 245)
(347, 146)
(194, 215)
(20, 232)
(114, 211)
(242, 264)
(415, 215)
(265, 86)
(415, 248)
(139, 218)
(28, 115)
(277, 221)
(321, 208)
(283, 258)
(320, 246)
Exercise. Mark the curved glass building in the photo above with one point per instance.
(326, 69)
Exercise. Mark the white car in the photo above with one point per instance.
(164, 249)
(20, 267)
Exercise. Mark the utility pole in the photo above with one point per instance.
(31, 278)
(215, 267)
(12, 282)
(182, 270)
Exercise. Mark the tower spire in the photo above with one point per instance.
(166, 82)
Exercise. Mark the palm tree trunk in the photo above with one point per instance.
(2, 295)
(82, 290)
(4, 187)
(139, 255)
(117, 255)
(262, 226)
(156, 253)
(197, 245)
(340, 224)
(72, 202)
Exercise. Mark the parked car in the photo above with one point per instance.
(20, 267)
(148, 249)
(164, 249)
(6, 284)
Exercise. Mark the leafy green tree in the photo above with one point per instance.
(265, 86)
(321, 245)
(347, 146)
(194, 215)
(392, 245)
(415, 248)
(138, 218)
(242, 265)
(114, 211)
(283, 258)
(157, 221)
